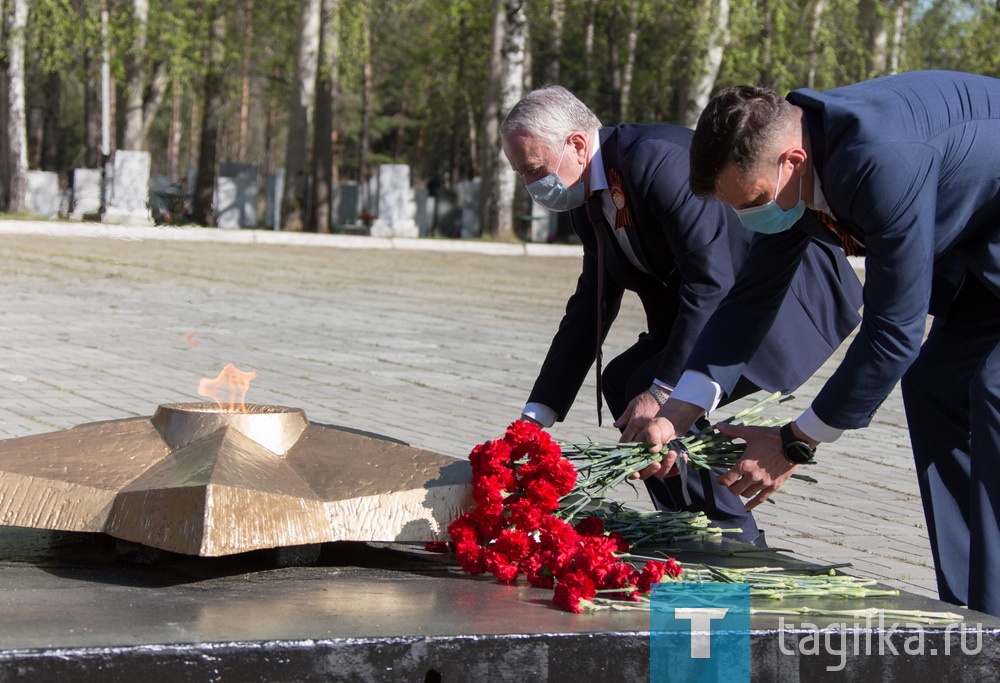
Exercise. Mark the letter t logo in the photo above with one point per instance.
(701, 627)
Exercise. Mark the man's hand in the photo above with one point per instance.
(641, 410)
(762, 469)
(672, 420)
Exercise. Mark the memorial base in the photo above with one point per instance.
(73, 610)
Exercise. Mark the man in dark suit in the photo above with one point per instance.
(908, 167)
(642, 230)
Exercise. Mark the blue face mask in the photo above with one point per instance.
(770, 218)
(553, 195)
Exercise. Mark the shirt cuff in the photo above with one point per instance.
(813, 427)
(663, 385)
(698, 388)
(541, 414)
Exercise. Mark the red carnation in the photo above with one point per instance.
(524, 515)
(470, 558)
(522, 437)
(543, 494)
(590, 526)
(621, 543)
(464, 530)
(492, 457)
(654, 571)
(536, 571)
(490, 490)
(514, 544)
(574, 591)
(500, 566)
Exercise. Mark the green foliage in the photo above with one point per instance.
(430, 61)
(959, 35)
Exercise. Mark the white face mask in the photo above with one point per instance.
(553, 195)
(770, 218)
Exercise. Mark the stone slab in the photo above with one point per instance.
(86, 192)
(371, 612)
(43, 193)
(128, 200)
(394, 204)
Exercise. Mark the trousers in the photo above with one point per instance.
(631, 373)
(951, 394)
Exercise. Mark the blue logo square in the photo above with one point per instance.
(699, 633)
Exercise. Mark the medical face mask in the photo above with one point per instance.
(770, 218)
(553, 195)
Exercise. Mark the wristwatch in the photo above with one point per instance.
(796, 451)
(658, 395)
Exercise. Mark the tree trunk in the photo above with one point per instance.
(630, 47)
(4, 102)
(588, 50)
(713, 34)
(767, 45)
(901, 20)
(174, 134)
(367, 87)
(300, 117)
(49, 153)
(614, 62)
(212, 108)
(876, 37)
(156, 92)
(812, 16)
(135, 79)
(92, 110)
(326, 93)
(491, 123)
(503, 92)
(557, 16)
(17, 133)
(245, 93)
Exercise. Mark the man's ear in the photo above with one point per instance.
(579, 141)
(798, 157)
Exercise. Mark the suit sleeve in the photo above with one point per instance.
(696, 232)
(895, 204)
(572, 351)
(737, 328)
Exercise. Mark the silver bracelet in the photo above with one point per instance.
(658, 395)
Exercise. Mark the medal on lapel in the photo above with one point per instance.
(623, 217)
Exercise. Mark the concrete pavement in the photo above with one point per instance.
(432, 342)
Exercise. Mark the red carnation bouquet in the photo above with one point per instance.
(517, 484)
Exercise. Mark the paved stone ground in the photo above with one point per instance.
(438, 348)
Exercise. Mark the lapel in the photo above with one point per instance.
(622, 196)
(818, 149)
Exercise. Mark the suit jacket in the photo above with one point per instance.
(692, 249)
(910, 165)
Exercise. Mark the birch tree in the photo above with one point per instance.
(300, 116)
(506, 82)
(145, 81)
(17, 132)
(705, 50)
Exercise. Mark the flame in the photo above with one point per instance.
(229, 389)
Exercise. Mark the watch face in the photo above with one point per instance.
(798, 452)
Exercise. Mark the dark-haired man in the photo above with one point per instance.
(907, 169)
(626, 189)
